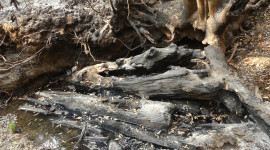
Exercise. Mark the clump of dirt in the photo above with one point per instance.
(252, 57)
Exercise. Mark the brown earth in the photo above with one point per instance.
(252, 57)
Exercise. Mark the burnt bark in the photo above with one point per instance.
(205, 136)
(185, 83)
(259, 111)
(180, 82)
(153, 115)
(43, 39)
(233, 94)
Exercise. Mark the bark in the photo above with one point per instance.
(179, 82)
(42, 38)
(184, 83)
(259, 111)
(205, 136)
(153, 115)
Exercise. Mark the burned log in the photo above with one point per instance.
(205, 136)
(231, 136)
(184, 83)
(225, 135)
(153, 115)
(128, 130)
(259, 111)
(33, 45)
(179, 81)
(158, 73)
(151, 60)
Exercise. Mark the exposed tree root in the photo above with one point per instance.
(127, 27)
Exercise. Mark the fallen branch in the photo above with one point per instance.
(258, 111)
(206, 136)
(78, 125)
(153, 115)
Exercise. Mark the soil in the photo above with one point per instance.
(10, 140)
(252, 57)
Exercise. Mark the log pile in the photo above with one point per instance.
(155, 90)
(139, 117)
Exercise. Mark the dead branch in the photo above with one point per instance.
(153, 115)
(250, 102)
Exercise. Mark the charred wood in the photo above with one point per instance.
(259, 111)
(205, 136)
(153, 115)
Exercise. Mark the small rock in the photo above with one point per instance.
(114, 145)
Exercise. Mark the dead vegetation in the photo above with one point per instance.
(252, 54)
(125, 95)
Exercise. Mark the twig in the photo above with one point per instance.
(5, 92)
(113, 8)
(233, 53)
(135, 28)
(132, 24)
(2, 42)
(7, 101)
(88, 50)
(3, 58)
(18, 56)
(143, 3)
(131, 49)
(86, 46)
(81, 135)
(128, 9)
(93, 7)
